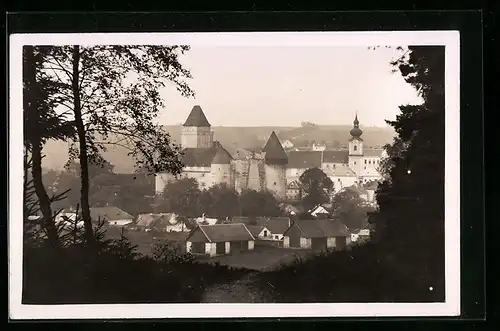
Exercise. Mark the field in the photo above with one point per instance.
(260, 259)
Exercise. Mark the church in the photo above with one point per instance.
(270, 168)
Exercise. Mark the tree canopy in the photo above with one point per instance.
(317, 187)
(349, 207)
(410, 221)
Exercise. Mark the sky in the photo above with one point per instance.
(274, 86)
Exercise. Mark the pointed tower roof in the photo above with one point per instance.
(197, 118)
(275, 154)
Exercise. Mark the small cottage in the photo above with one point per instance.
(112, 216)
(219, 239)
(317, 234)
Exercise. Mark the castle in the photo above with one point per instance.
(271, 168)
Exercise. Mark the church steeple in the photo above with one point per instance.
(356, 132)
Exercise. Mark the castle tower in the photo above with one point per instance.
(275, 161)
(356, 149)
(196, 131)
(221, 168)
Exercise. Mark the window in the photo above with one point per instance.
(276, 237)
(265, 233)
(370, 162)
(274, 183)
(365, 168)
(365, 161)
(355, 148)
(354, 162)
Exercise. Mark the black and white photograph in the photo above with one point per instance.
(188, 175)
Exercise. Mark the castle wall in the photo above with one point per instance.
(275, 179)
(221, 174)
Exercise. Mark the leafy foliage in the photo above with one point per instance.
(317, 187)
(259, 203)
(349, 207)
(182, 197)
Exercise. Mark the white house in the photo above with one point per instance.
(287, 144)
(219, 239)
(259, 232)
(203, 220)
(317, 234)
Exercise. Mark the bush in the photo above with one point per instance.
(362, 274)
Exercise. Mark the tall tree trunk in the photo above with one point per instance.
(84, 167)
(30, 105)
(43, 198)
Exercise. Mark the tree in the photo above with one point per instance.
(114, 90)
(182, 197)
(220, 201)
(317, 187)
(41, 122)
(259, 203)
(410, 221)
(348, 207)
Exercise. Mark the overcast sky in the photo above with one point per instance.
(258, 86)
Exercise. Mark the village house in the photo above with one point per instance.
(112, 216)
(275, 225)
(219, 239)
(259, 232)
(163, 222)
(293, 191)
(203, 220)
(317, 234)
(319, 211)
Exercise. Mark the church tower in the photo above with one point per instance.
(196, 131)
(356, 149)
(275, 160)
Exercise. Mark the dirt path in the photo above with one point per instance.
(242, 290)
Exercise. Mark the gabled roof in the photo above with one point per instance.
(275, 154)
(224, 232)
(304, 159)
(197, 118)
(321, 228)
(341, 171)
(222, 156)
(198, 157)
(255, 230)
(341, 156)
(109, 214)
(293, 185)
(278, 225)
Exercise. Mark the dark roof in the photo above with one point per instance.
(197, 118)
(255, 229)
(278, 225)
(275, 154)
(304, 159)
(226, 232)
(322, 228)
(158, 221)
(341, 171)
(222, 156)
(201, 157)
(341, 156)
(109, 214)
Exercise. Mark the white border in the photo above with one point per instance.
(451, 307)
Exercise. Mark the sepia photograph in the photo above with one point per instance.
(179, 174)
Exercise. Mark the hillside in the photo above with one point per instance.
(232, 138)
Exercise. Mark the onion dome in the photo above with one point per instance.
(356, 132)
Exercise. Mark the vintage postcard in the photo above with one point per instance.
(198, 175)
